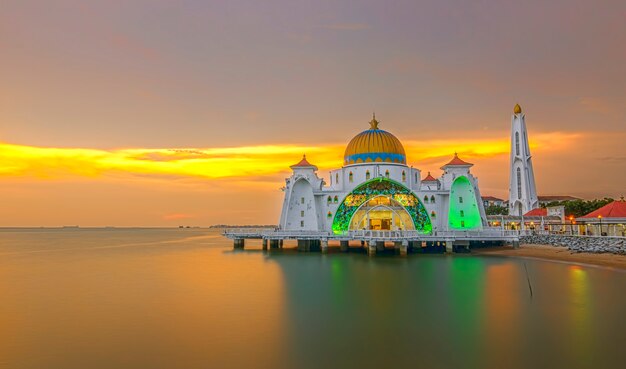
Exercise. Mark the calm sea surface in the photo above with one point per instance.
(181, 298)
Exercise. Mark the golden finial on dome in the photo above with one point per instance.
(517, 109)
(374, 122)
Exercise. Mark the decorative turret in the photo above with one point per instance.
(303, 164)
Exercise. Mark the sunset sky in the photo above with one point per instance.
(160, 113)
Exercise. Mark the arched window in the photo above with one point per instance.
(337, 178)
(367, 175)
(329, 214)
(516, 143)
(330, 199)
(335, 199)
(426, 199)
(403, 176)
(462, 214)
(387, 173)
(416, 178)
(433, 214)
(350, 177)
(519, 183)
(432, 199)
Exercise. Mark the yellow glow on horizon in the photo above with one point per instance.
(46, 163)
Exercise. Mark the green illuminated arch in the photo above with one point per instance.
(376, 187)
(463, 213)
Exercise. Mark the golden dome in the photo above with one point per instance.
(517, 109)
(374, 145)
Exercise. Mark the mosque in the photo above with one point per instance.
(375, 189)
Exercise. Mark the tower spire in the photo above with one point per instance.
(522, 189)
(374, 122)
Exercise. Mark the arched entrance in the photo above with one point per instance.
(381, 213)
(381, 203)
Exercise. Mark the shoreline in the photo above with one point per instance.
(554, 253)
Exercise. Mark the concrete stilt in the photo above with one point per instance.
(396, 246)
(371, 248)
(303, 245)
(264, 243)
(280, 244)
(324, 246)
(380, 245)
(404, 248)
(273, 244)
(516, 244)
(343, 245)
(239, 243)
(449, 247)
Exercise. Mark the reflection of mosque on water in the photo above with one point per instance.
(382, 213)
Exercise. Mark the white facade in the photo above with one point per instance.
(522, 190)
(311, 204)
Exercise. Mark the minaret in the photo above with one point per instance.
(522, 190)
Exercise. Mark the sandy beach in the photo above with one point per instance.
(548, 252)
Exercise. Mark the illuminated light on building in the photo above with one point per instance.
(376, 190)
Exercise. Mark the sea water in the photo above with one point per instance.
(182, 298)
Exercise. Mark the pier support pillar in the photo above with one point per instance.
(449, 247)
(343, 246)
(280, 244)
(239, 243)
(371, 248)
(303, 245)
(396, 245)
(380, 245)
(273, 244)
(324, 246)
(404, 248)
(516, 244)
(264, 243)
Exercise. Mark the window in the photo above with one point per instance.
(302, 213)
(367, 175)
(302, 223)
(516, 143)
(302, 200)
(460, 200)
(337, 178)
(350, 177)
(433, 214)
(462, 214)
(432, 199)
(416, 177)
(519, 183)
(330, 199)
(336, 199)
(387, 173)
(329, 214)
(426, 199)
(462, 224)
(403, 176)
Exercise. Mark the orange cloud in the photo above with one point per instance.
(245, 162)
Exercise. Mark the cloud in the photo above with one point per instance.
(346, 26)
(176, 216)
(596, 105)
(260, 164)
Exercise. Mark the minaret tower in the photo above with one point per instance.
(522, 190)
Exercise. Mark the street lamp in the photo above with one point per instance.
(600, 218)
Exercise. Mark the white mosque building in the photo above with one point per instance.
(375, 189)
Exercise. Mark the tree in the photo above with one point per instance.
(496, 210)
(578, 208)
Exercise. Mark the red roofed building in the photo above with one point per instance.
(539, 212)
(608, 220)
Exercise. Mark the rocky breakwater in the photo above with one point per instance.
(598, 245)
